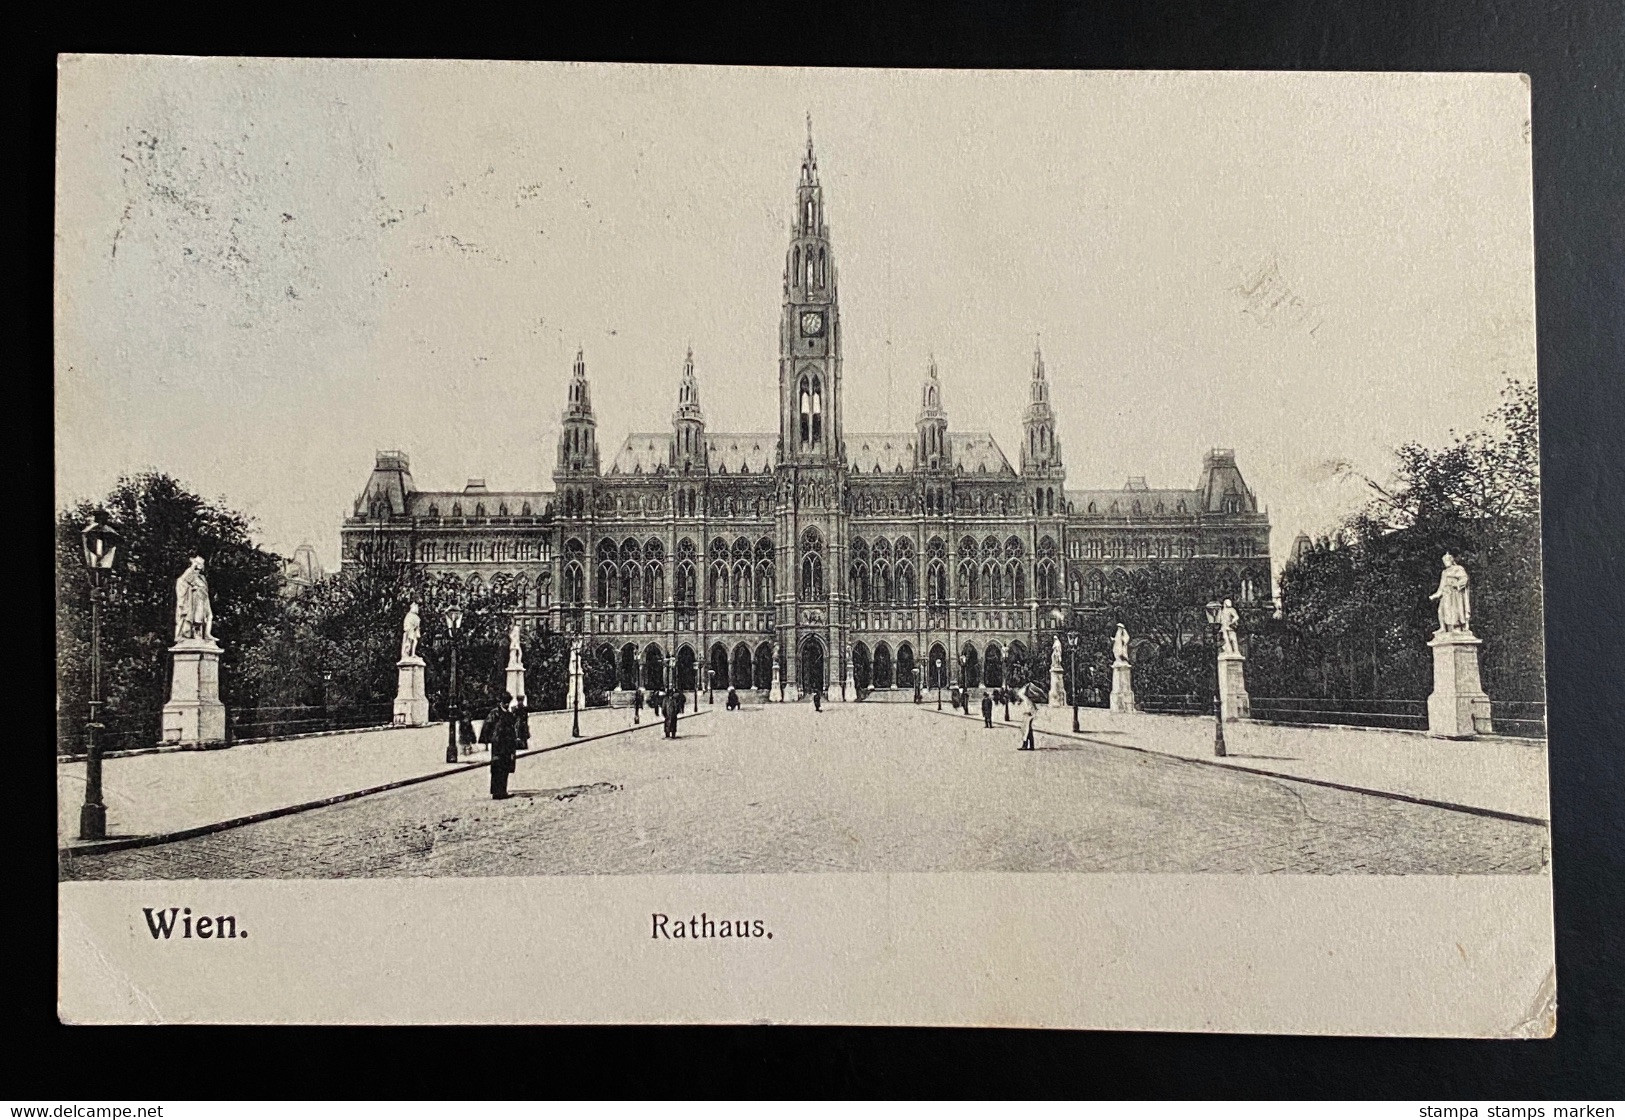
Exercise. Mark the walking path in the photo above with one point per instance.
(150, 794)
(1502, 775)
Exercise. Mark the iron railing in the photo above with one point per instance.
(304, 719)
(120, 732)
(1403, 715)
(1189, 703)
(1521, 719)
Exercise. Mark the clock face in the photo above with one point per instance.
(812, 322)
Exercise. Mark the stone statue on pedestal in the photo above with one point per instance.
(194, 713)
(194, 616)
(1457, 707)
(411, 701)
(411, 631)
(1055, 655)
(1455, 600)
(1122, 699)
(1120, 645)
(1228, 617)
(516, 656)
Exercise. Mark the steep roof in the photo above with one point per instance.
(1124, 499)
(885, 453)
(726, 452)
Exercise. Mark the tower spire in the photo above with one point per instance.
(688, 451)
(578, 441)
(931, 425)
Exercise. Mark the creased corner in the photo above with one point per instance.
(1540, 1018)
(137, 1004)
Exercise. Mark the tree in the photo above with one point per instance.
(1355, 607)
(163, 525)
(1164, 608)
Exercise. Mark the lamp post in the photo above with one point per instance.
(575, 686)
(1213, 609)
(1072, 655)
(1004, 688)
(938, 671)
(453, 616)
(710, 689)
(101, 543)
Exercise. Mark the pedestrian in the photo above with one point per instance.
(498, 731)
(674, 705)
(1029, 713)
(818, 697)
(465, 734)
(637, 705)
(987, 708)
(521, 724)
(733, 699)
(1004, 698)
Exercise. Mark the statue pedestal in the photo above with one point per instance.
(411, 701)
(1057, 687)
(776, 686)
(576, 695)
(516, 681)
(1458, 707)
(849, 687)
(194, 713)
(1233, 701)
(1122, 686)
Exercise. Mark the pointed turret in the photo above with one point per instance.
(1040, 450)
(688, 422)
(931, 426)
(578, 442)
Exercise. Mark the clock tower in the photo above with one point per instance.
(810, 427)
(810, 614)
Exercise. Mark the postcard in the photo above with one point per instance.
(598, 543)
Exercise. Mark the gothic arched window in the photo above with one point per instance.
(812, 565)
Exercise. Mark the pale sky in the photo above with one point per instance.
(269, 270)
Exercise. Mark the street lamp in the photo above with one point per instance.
(1213, 609)
(453, 616)
(1072, 654)
(101, 543)
(710, 689)
(575, 686)
(938, 671)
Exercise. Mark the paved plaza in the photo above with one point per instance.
(856, 788)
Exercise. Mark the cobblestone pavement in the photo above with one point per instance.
(854, 789)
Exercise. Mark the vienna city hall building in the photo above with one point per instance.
(864, 559)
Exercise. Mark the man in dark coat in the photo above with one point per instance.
(671, 705)
(818, 700)
(987, 708)
(521, 724)
(733, 699)
(498, 731)
(637, 705)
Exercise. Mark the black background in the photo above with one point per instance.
(1573, 53)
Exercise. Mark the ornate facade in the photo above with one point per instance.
(859, 557)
